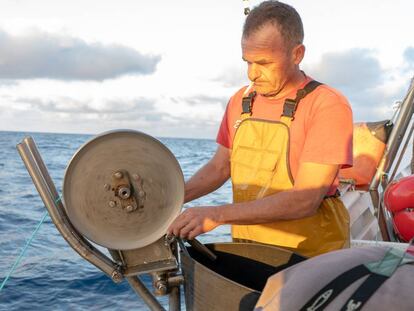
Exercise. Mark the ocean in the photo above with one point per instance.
(51, 275)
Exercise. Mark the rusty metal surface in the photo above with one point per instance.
(97, 201)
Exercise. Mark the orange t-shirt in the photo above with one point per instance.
(320, 133)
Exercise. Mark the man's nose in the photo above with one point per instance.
(253, 72)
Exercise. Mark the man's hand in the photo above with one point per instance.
(194, 221)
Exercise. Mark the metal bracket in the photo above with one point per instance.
(128, 197)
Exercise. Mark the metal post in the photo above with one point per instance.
(47, 191)
(144, 293)
(29, 142)
(402, 121)
(397, 134)
(412, 157)
(397, 164)
(174, 299)
(382, 223)
(174, 280)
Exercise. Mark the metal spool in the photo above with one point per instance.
(123, 189)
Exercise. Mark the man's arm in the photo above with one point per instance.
(210, 177)
(311, 185)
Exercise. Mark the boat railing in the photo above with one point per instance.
(394, 152)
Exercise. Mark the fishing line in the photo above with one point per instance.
(23, 251)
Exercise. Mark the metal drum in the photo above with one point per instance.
(123, 189)
(235, 280)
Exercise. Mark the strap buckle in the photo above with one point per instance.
(290, 105)
(289, 108)
(247, 103)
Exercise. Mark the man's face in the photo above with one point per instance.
(270, 62)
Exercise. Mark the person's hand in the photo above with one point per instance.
(194, 221)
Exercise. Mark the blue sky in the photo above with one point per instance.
(168, 67)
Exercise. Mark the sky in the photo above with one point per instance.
(168, 68)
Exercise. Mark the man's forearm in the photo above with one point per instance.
(210, 177)
(286, 205)
(207, 179)
(312, 183)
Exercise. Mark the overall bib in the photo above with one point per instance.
(260, 167)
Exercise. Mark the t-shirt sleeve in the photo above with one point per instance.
(329, 132)
(223, 135)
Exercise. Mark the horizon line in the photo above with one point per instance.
(96, 134)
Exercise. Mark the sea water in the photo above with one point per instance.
(51, 275)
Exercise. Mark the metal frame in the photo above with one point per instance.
(402, 121)
(47, 191)
(50, 197)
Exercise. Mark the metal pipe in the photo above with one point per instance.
(43, 183)
(144, 293)
(397, 165)
(402, 121)
(174, 299)
(381, 216)
(202, 249)
(412, 158)
(175, 280)
(29, 142)
(389, 222)
(397, 134)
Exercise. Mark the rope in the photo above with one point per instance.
(23, 251)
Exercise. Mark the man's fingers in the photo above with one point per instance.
(176, 226)
(194, 233)
(187, 228)
(191, 223)
(180, 223)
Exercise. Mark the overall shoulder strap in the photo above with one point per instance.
(290, 105)
(247, 104)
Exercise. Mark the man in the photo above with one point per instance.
(282, 148)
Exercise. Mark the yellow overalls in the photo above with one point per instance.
(260, 167)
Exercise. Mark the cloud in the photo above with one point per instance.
(201, 100)
(52, 56)
(8, 83)
(111, 109)
(354, 69)
(67, 114)
(409, 56)
(233, 76)
(357, 73)
(114, 109)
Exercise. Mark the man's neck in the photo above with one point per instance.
(293, 83)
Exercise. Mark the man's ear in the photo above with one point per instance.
(298, 52)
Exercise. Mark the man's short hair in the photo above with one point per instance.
(284, 17)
